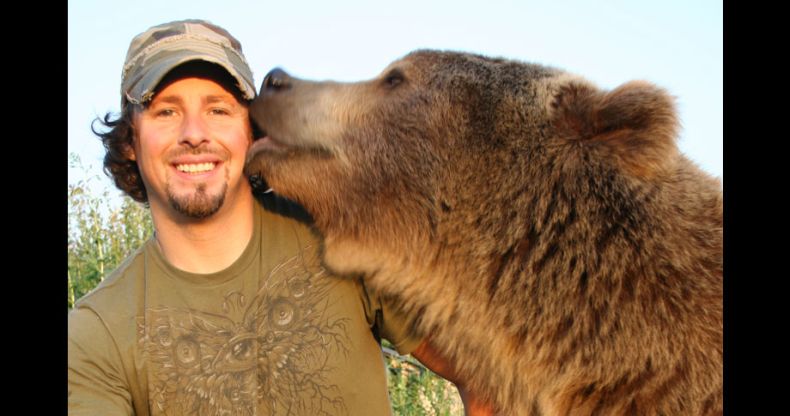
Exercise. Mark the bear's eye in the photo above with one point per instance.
(394, 78)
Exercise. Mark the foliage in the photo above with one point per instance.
(100, 237)
(415, 390)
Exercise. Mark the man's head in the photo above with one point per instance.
(180, 140)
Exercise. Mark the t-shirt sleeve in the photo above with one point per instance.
(390, 321)
(96, 385)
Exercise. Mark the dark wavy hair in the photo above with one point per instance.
(118, 143)
(119, 140)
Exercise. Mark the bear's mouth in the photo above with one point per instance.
(284, 147)
(264, 143)
(260, 141)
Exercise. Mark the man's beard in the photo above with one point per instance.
(198, 205)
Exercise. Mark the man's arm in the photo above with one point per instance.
(434, 361)
(97, 385)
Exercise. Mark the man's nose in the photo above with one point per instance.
(194, 130)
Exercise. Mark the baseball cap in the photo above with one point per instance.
(155, 52)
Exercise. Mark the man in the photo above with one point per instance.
(226, 310)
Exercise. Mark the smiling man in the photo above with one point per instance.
(190, 148)
(194, 168)
(227, 309)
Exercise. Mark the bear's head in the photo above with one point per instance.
(443, 149)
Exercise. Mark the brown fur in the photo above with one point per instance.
(551, 238)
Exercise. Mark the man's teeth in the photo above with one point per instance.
(196, 168)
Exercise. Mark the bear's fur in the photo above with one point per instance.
(554, 243)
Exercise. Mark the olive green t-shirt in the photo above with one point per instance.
(273, 334)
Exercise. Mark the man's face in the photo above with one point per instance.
(190, 145)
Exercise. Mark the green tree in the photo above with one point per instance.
(100, 236)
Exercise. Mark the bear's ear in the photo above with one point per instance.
(635, 123)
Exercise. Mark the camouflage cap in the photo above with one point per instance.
(155, 52)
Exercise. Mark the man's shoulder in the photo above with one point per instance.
(119, 287)
(284, 220)
(284, 208)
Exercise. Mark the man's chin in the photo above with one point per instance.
(197, 205)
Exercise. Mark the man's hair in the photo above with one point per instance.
(118, 143)
(119, 140)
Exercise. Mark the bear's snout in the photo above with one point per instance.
(293, 116)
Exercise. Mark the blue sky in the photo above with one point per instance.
(673, 43)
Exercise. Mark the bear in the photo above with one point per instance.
(547, 234)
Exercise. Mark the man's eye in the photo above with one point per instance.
(220, 111)
(166, 112)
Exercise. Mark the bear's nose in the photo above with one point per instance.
(276, 80)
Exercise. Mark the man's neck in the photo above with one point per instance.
(209, 245)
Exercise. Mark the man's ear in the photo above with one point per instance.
(128, 152)
(635, 123)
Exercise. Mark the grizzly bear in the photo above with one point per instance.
(547, 234)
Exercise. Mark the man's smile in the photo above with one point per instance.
(192, 166)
